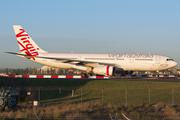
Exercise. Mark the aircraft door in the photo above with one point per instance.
(79, 57)
(157, 60)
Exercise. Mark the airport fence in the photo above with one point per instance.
(126, 96)
(123, 96)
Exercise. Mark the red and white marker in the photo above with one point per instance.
(56, 76)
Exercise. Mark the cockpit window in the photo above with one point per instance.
(169, 60)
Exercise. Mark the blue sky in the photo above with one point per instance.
(98, 26)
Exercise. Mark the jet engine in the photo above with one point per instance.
(108, 70)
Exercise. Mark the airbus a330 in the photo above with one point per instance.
(98, 64)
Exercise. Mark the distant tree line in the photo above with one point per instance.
(36, 71)
(59, 71)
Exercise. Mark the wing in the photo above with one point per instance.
(70, 61)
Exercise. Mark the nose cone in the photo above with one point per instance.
(173, 64)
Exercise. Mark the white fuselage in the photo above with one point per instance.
(129, 62)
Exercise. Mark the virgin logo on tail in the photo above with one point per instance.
(24, 42)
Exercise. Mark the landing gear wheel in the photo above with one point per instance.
(84, 74)
(90, 74)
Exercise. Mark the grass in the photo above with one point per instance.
(94, 110)
(102, 91)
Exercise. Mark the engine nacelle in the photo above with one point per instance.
(104, 70)
(108, 70)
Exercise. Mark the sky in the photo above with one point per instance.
(91, 26)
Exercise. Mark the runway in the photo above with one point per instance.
(154, 78)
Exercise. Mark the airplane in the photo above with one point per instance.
(92, 64)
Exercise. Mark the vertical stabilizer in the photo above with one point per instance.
(26, 44)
